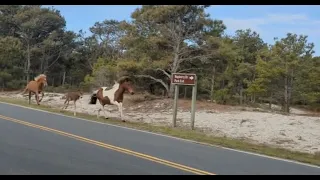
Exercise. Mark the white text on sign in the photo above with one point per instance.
(181, 76)
(178, 80)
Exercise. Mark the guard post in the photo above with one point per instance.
(184, 79)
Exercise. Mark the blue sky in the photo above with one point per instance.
(268, 21)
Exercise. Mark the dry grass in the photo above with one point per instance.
(196, 135)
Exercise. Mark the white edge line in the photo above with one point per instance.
(172, 137)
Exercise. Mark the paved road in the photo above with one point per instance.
(30, 150)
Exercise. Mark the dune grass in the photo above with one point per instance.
(184, 133)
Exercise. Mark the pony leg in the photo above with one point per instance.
(98, 113)
(121, 111)
(42, 94)
(67, 103)
(37, 98)
(29, 97)
(80, 103)
(104, 112)
(64, 104)
(75, 109)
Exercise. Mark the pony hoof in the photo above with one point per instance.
(123, 120)
(106, 118)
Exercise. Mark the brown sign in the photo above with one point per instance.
(183, 79)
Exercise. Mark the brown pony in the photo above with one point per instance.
(36, 87)
(72, 96)
(113, 96)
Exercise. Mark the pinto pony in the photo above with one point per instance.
(113, 96)
(36, 87)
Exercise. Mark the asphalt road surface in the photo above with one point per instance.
(37, 142)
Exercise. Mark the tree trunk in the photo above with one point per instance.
(286, 95)
(28, 63)
(270, 101)
(42, 61)
(63, 77)
(171, 91)
(270, 105)
(286, 103)
(241, 95)
(245, 98)
(164, 92)
(212, 83)
(175, 67)
(185, 92)
(290, 87)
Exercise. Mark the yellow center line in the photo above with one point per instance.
(115, 148)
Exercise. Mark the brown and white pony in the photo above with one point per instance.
(36, 87)
(113, 96)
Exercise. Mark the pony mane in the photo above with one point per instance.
(39, 77)
(124, 79)
(116, 85)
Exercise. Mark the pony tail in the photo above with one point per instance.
(64, 97)
(93, 99)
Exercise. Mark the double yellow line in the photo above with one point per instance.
(115, 148)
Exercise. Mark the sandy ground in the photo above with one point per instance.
(299, 131)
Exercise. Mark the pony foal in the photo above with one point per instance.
(72, 96)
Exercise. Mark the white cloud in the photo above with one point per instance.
(235, 24)
(285, 18)
(293, 21)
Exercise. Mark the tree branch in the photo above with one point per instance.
(155, 79)
(191, 58)
(184, 50)
(54, 61)
(164, 72)
(185, 70)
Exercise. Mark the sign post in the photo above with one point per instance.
(193, 104)
(175, 105)
(186, 80)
